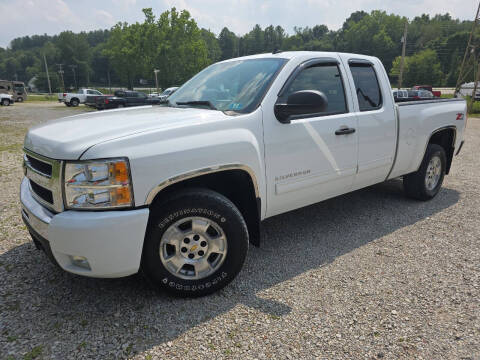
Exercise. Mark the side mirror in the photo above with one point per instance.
(304, 102)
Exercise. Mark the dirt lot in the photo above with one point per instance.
(367, 275)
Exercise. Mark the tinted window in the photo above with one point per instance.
(324, 78)
(367, 88)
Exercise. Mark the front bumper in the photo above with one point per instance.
(111, 241)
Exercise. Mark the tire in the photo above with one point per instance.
(68, 104)
(5, 102)
(425, 183)
(19, 99)
(216, 233)
(74, 102)
(119, 106)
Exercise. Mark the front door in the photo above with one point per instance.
(311, 158)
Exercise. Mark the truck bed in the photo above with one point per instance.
(415, 121)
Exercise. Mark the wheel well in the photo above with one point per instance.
(446, 139)
(74, 98)
(236, 185)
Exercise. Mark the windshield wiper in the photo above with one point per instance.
(197, 102)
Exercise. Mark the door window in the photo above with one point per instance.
(325, 78)
(366, 85)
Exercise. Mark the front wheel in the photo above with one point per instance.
(426, 182)
(196, 243)
(5, 102)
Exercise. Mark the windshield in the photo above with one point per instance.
(237, 85)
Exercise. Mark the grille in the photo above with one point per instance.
(45, 180)
(43, 193)
(40, 166)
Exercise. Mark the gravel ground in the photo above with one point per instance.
(367, 275)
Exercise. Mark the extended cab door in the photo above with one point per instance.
(311, 158)
(375, 112)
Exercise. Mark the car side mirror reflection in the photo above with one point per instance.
(304, 102)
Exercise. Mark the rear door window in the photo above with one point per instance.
(366, 86)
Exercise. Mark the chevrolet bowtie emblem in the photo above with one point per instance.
(193, 247)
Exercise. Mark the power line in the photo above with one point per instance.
(469, 55)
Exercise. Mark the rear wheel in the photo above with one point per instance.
(196, 243)
(426, 182)
(74, 102)
(20, 99)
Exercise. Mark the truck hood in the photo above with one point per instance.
(68, 138)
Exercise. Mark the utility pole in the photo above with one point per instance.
(48, 76)
(402, 61)
(156, 78)
(60, 71)
(475, 85)
(73, 67)
(462, 75)
(109, 83)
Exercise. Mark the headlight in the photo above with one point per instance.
(98, 184)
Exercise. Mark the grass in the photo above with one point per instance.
(36, 97)
(11, 147)
(476, 105)
(446, 96)
(36, 352)
(475, 108)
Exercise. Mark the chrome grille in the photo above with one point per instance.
(44, 175)
(40, 166)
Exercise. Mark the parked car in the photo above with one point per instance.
(400, 95)
(91, 99)
(75, 99)
(428, 88)
(477, 95)
(164, 95)
(123, 98)
(15, 88)
(6, 99)
(420, 95)
(179, 190)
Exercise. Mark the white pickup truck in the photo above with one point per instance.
(178, 191)
(6, 99)
(75, 99)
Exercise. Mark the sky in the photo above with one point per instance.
(30, 17)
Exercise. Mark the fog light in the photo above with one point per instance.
(80, 261)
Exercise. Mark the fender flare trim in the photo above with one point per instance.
(192, 174)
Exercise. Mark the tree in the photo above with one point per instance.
(421, 68)
(213, 47)
(228, 43)
(173, 43)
